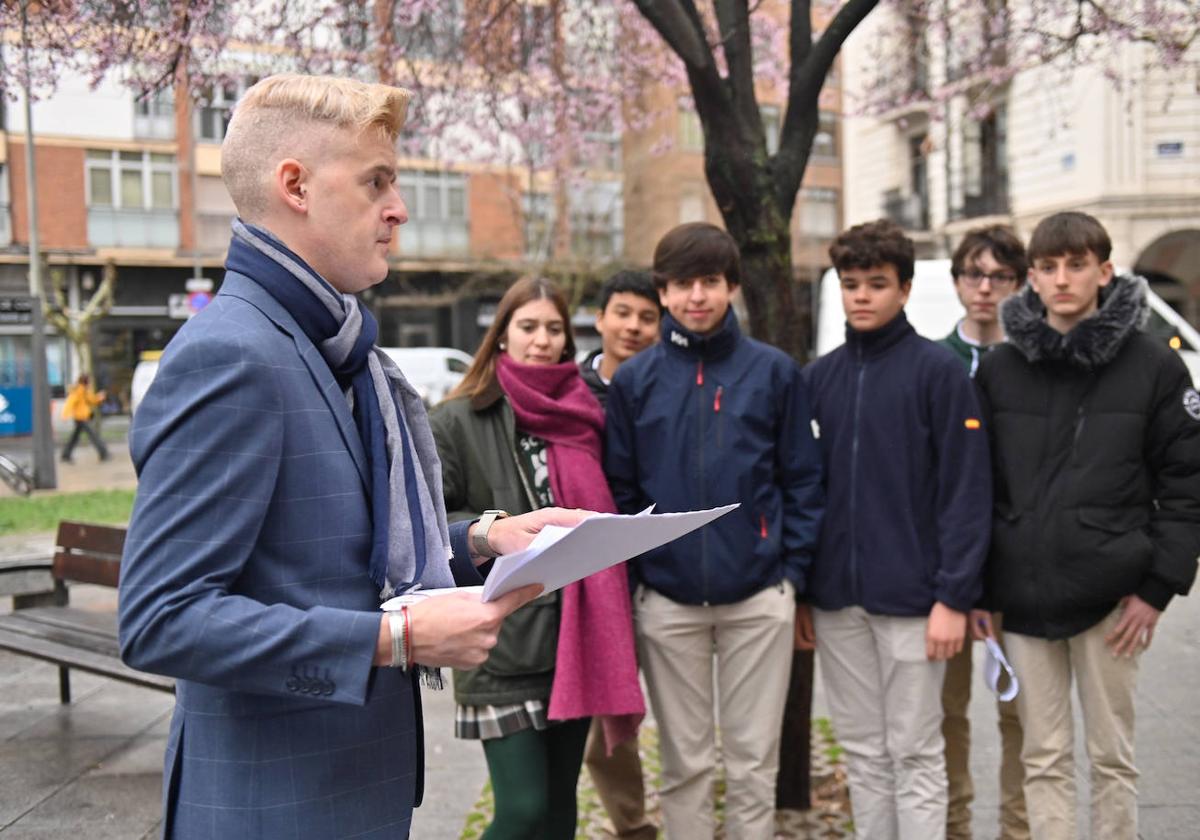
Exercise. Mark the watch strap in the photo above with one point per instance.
(479, 537)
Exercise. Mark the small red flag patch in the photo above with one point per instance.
(972, 423)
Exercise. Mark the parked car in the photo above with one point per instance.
(433, 371)
(933, 310)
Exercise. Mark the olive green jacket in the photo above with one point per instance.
(477, 442)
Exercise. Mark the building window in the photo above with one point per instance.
(771, 126)
(596, 222)
(5, 208)
(539, 225)
(818, 217)
(691, 133)
(131, 199)
(215, 107)
(154, 115)
(825, 143)
(437, 213)
(984, 165)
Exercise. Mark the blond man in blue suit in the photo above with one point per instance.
(287, 482)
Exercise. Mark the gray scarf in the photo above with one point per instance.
(399, 404)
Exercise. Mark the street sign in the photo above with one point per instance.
(16, 310)
(197, 301)
(16, 411)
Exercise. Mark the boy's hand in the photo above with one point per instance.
(806, 637)
(981, 625)
(1135, 629)
(944, 633)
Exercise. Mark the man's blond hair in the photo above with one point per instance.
(290, 115)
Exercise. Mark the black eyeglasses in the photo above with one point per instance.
(999, 279)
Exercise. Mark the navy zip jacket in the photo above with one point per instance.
(908, 476)
(700, 421)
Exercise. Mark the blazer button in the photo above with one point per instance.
(330, 687)
(293, 683)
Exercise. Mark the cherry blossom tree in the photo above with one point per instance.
(545, 87)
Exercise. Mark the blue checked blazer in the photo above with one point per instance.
(245, 578)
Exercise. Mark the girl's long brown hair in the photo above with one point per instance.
(482, 373)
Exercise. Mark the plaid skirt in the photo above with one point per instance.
(485, 722)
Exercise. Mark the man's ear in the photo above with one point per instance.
(291, 184)
(1106, 273)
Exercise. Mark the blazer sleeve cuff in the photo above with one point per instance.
(464, 571)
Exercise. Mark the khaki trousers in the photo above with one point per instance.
(618, 781)
(885, 700)
(752, 644)
(1106, 687)
(956, 731)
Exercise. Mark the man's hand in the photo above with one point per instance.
(1135, 629)
(806, 636)
(944, 633)
(455, 631)
(514, 533)
(981, 625)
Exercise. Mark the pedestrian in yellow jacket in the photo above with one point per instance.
(80, 405)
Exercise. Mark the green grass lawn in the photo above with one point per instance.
(43, 512)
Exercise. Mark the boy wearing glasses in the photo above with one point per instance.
(902, 546)
(1095, 433)
(988, 266)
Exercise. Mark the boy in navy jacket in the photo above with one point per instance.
(707, 417)
(900, 558)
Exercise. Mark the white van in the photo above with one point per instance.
(433, 371)
(933, 310)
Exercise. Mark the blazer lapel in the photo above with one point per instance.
(251, 292)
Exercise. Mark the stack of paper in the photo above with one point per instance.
(559, 556)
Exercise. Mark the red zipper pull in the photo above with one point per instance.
(762, 520)
(717, 400)
(700, 373)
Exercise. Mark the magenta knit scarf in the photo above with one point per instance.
(595, 670)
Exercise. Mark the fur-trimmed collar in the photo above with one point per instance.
(1094, 341)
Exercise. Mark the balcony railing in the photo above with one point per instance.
(111, 228)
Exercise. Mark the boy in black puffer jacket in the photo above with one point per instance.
(1095, 431)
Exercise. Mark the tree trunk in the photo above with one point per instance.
(769, 290)
(793, 788)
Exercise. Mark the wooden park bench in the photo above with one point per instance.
(44, 625)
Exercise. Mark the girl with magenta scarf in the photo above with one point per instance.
(520, 432)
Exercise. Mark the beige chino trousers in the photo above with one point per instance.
(751, 644)
(885, 699)
(956, 731)
(1105, 684)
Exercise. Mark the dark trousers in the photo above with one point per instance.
(792, 787)
(534, 775)
(84, 427)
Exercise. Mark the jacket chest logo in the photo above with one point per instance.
(1191, 403)
(679, 339)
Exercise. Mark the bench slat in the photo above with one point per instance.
(96, 632)
(51, 651)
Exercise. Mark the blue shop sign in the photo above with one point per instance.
(16, 411)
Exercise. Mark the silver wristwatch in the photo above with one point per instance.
(479, 538)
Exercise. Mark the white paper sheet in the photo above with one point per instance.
(559, 556)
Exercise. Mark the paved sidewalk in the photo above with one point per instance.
(93, 769)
